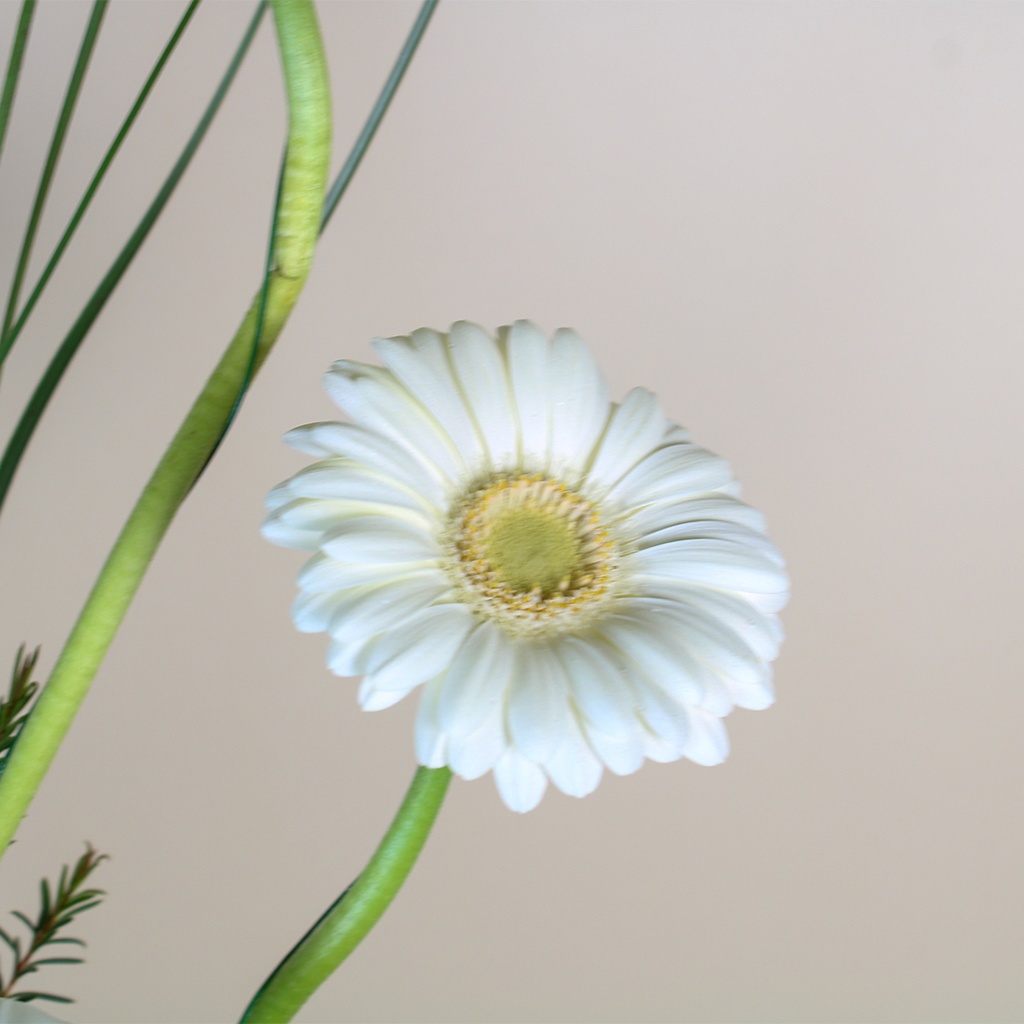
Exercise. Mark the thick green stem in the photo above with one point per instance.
(303, 186)
(357, 909)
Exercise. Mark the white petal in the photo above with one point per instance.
(475, 754)
(375, 399)
(367, 611)
(312, 611)
(350, 659)
(599, 687)
(379, 540)
(372, 699)
(315, 516)
(538, 708)
(709, 742)
(368, 448)
(714, 529)
(755, 695)
(666, 718)
(520, 782)
(483, 378)
(677, 471)
(477, 682)
(421, 364)
(579, 404)
(621, 756)
(526, 351)
(422, 648)
(656, 516)
(431, 743)
(702, 635)
(761, 632)
(573, 768)
(714, 563)
(348, 481)
(277, 531)
(637, 427)
(322, 573)
(658, 748)
(677, 435)
(647, 647)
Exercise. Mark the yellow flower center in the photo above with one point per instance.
(532, 554)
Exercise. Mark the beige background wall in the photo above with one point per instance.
(803, 225)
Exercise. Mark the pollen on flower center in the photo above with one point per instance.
(531, 553)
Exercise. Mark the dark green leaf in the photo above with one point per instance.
(18, 45)
(7, 340)
(92, 30)
(76, 335)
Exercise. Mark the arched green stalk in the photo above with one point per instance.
(352, 915)
(302, 193)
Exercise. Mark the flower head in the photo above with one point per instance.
(572, 582)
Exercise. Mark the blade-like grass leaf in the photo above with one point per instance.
(14, 62)
(74, 338)
(8, 339)
(92, 30)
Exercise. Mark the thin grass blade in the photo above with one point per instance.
(380, 108)
(61, 360)
(92, 30)
(8, 339)
(14, 62)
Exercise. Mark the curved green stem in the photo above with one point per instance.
(303, 185)
(357, 909)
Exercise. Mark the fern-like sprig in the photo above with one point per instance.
(14, 709)
(57, 910)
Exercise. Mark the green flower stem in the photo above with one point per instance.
(357, 909)
(302, 193)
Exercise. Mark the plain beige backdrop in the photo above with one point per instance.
(803, 225)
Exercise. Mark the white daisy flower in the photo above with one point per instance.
(573, 583)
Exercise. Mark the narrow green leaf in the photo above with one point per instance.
(92, 30)
(44, 891)
(380, 108)
(27, 997)
(8, 339)
(58, 960)
(55, 371)
(18, 45)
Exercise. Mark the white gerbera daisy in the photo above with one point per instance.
(572, 581)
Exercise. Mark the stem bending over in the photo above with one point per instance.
(347, 921)
(302, 193)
